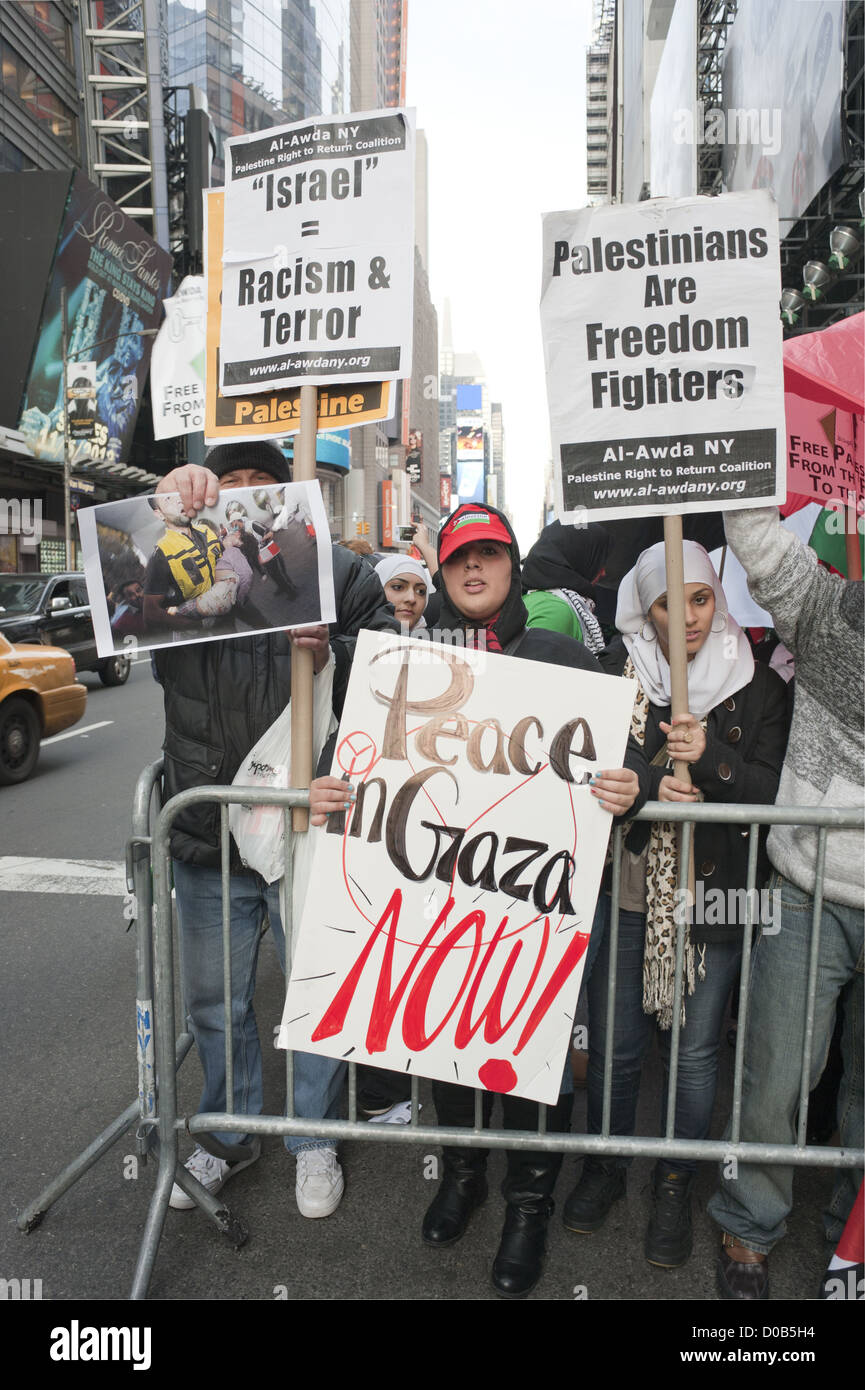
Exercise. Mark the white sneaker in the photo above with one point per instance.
(212, 1173)
(399, 1114)
(320, 1182)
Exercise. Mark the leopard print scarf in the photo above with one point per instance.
(659, 957)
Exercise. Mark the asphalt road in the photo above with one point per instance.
(69, 1066)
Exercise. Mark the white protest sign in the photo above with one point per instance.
(445, 929)
(318, 259)
(177, 363)
(663, 341)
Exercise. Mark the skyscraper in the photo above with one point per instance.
(598, 89)
(263, 62)
(379, 452)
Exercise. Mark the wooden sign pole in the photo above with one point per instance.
(676, 626)
(678, 646)
(302, 661)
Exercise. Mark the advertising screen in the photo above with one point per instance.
(115, 277)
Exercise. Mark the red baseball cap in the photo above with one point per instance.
(471, 522)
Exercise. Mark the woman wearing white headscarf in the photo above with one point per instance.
(407, 584)
(733, 738)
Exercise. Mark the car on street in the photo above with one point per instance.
(39, 696)
(55, 609)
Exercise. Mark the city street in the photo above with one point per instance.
(68, 998)
(468, 397)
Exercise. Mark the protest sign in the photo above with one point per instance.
(269, 414)
(258, 560)
(663, 353)
(445, 930)
(177, 363)
(340, 308)
(824, 454)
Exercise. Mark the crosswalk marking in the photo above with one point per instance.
(26, 874)
(73, 733)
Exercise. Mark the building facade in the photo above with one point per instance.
(56, 105)
(262, 63)
(724, 95)
(384, 490)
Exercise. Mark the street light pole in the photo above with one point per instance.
(67, 469)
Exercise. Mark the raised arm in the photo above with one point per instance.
(783, 574)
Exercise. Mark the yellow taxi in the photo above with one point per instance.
(39, 696)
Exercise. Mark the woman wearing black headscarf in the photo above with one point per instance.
(560, 573)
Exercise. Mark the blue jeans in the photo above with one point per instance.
(754, 1205)
(317, 1080)
(633, 1029)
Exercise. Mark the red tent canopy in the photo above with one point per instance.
(829, 366)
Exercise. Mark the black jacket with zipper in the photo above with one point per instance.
(746, 738)
(221, 697)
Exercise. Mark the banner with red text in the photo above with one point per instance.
(445, 930)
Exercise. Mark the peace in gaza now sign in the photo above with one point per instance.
(449, 910)
(318, 258)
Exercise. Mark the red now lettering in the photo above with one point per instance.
(569, 962)
(491, 1013)
(388, 999)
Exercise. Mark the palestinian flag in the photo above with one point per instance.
(845, 1277)
(829, 540)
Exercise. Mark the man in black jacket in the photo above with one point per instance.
(220, 698)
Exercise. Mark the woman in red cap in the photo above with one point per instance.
(480, 584)
(481, 596)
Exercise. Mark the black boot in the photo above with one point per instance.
(519, 1262)
(528, 1191)
(463, 1187)
(669, 1238)
(587, 1207)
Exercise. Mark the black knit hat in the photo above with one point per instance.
(249, 453)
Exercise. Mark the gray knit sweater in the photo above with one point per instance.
(820, 618)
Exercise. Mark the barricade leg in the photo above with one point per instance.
(138, 882)
(31, 1216)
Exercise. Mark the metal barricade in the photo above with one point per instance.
(160, 1102)
(138, 909)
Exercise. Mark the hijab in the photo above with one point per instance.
(567, 557)
(392, 565)
(724, 663)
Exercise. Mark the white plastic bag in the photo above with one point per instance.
(259, 830)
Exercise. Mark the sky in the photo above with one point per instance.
(499, 88)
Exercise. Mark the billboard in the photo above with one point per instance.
(470, 458)
(414, 456)
(332, 448)
(673, 151)
(793, 56)
(115, 277)
(469, 397)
